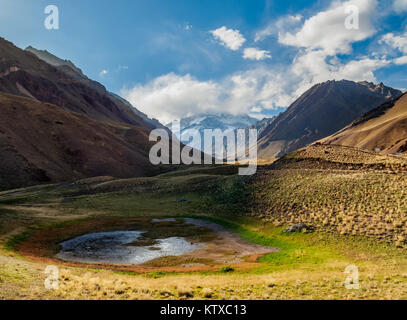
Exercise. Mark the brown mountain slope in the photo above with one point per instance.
(23, 73)
(73, 71)
(319, 112)
(40, 142)
(384, 128)
(58, 125)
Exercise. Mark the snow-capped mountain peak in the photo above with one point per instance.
(197, 124)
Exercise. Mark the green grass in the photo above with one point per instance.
(39, 194)
(226, 269)
(211, 169)
(341, 202)
(156, 274)
(318, 257)
(299, 249)
(222, 203)
(6, 214)
(13, 243)
(309, 251)
(135, 204)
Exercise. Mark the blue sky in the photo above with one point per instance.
(179, 58)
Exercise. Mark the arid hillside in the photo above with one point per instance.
(58, 125)
(338, 189)
(383, 129)
(23, 73)
(309, 264)
(40, 143)
(320, 112)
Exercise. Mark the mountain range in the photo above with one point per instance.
(320, 112)
(383, 129)
(223, 121)
(58, 125)
(73, 71)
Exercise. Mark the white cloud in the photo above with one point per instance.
(103, 73)
(256, 109)
(362, 69)
(399, 45)
(282, 24)
(398, 42)
(259, 87)
(174, 96)
(321, 39)
(400, 61)
(256, 54)
(400, 6)
(230, 38)
(313, 68)
(326, 30)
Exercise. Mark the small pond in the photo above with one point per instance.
(116, 248)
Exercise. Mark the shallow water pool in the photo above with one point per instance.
(110, 247)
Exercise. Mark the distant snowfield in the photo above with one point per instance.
(191, 126)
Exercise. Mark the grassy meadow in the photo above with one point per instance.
(357, 211)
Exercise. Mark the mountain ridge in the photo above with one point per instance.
(223, 121)
(71, 69)
(23, 73)
(383, 129)
(58, 127)
(322, 110)
(57, 146)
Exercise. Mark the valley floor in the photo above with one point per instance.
(308, 265)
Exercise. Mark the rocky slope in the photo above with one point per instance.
(319, 112)
(68, 67)
(41, 143)
(23, 73)
(383, 129)
(58, 125)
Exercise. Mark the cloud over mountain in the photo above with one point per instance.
(320, 47)
(326, 30)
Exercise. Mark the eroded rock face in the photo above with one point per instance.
(297, 228)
